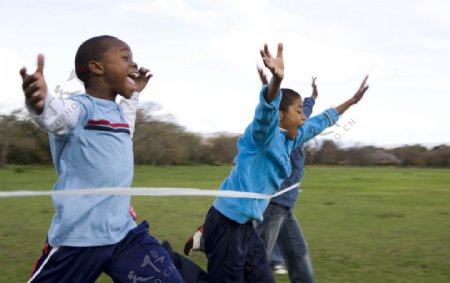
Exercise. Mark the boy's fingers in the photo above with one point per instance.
(364, 87)
(145, 73)
(143, 70)
(23, 72)
(147, 76)
(40, 64)
(31, 90)
(28, 80)
(262, 53)
(364, 81)
(359, 95)
(280, 50)
(34, 98)
(266, 50)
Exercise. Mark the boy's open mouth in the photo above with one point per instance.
(131, 78)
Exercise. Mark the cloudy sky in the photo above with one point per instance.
(204, 53)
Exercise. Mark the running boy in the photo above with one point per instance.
(280, 231)
(280, 228)
(235, 251)
(90, 140)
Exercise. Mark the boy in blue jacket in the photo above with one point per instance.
(234, 249)
(280, 231)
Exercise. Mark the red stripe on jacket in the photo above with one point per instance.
(105, 122)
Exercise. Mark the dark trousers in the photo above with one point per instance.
(235, 251)
(137, 258)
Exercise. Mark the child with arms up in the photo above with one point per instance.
(234, 249)
(90, 140)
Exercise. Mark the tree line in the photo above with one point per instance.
(160, 141)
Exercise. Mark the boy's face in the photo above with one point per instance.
(293, 118)
(119, 69)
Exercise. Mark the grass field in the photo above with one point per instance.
(362, 224)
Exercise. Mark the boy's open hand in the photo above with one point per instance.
(360, 93)
(34, 86)
(275, 65)
(142, 79)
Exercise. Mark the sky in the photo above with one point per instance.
(204, 53)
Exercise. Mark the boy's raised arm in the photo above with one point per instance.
(355, 99)
(130, 106)
(314, 93)
(276, 67)
(317, 124)
(52, 114)
(141, 80)
(308, 103)
(34, 86)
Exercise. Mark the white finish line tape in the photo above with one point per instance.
(146, 192)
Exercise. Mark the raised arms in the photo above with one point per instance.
(355, 99)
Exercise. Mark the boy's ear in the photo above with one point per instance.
(96, 67)
(281, 115)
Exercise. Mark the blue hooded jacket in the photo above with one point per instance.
(263, 159)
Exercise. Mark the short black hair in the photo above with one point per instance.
(91, 50)
(289, 95)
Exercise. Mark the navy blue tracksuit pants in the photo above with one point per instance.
(137, 258)
(235, 251)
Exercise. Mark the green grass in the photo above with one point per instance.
(362, 224)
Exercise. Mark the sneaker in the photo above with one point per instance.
(194, 242)
(279, 269)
